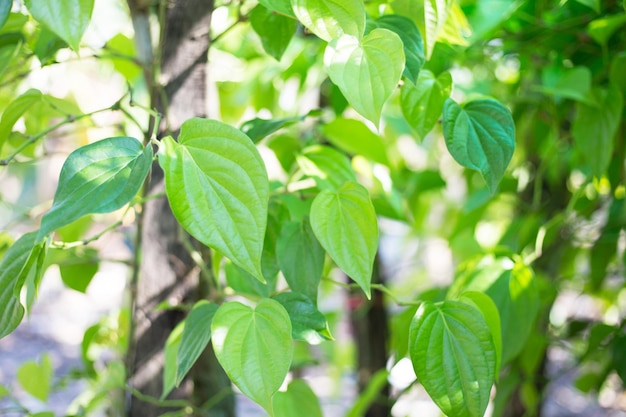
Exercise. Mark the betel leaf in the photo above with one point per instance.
(345, 224)
(329, 19)
(411, 39)
(279, 6)
(254, 347)
(453, 356)
(218, 189)
(172, 344)
(36, 378)
(435, 16)
(422, 103)
(98, 178)
(329, 167)
(354, 137)
(298, 400)
(15, 110)
(11, 266)
(480, 135)
(594, 128)
(242, 282)
(573, 83)
(195, 337)
(67, 18)
(366, 71)
(275, 30)
(301, 257)
(258, 128)
(307, 322)
(5, 9)
(77, 265)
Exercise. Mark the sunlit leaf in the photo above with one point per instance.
(329, 167)
(254, 347)
(435, 16)
(345, 224)
(36, 378)
(329, 19)
(280, 6)
(172, 344)
(67, 18)
(217, 186)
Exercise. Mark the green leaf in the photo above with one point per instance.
(344, 222)
(243, 282)
(490, 14)
(330, 19)
(480, 135)
(77, 265)
(279, 6)
(98, 178)
(218, 189)
(257, 128)
(35, 378)
(422, 103)
(170, 371)
(5, 9)
(47, 45)
(298, 400)
(592, 4)
(123, 47)
(412, 41)
(301, 257)
(67, 18)
(453, 356)
(618, 72)
(307, 323)
(594, 128)
(370, 394)
(329, 167)
(352, 136)
(601, 30)
(254, 347)
(285, 147)
(11, 266)
(366, 71)
(10, 46)
(195, 338)
(573, 83)
(275, 30)
(15, 110)
(435, 16)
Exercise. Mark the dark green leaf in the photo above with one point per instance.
(592, 4)
(619, 359)
(353, 137)
(10, 45)
(307, 323)
(275, 30)
(98, 178)
(195, 338)
(67, 18)
(422, 103)
(480, 135)
(47, 45)
(618, 72)
(573, 83)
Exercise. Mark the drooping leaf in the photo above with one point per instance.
(366, 71)
(36, 378)
(422, 103)
(594, 128)
(330, 19)
(98, 178)
(47, 45)
(172, 344)
(257, 128)
(218, 189)
(480, 135)
(195, 337)
(5, 9)
(329, 167)
(67, 18)
(298, 400)
(15, 110)
(254, 347)
(354, 137)
(345, 224)
(11, 265)
(307, 322)
(453, 356)
(412, 41)
(275, 30)
(301, 257)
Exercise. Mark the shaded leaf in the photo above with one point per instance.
(195, 337)
(257, 128)
(275, 30)
(5, 9)
(307, 322)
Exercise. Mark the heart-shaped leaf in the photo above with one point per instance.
(329, 19)
(344, 222)
(36, 378)
(254, 347)
(98, 178)
(480, 135)
(275, 30)
(218, 189)
(454, 357)
(67, 18)
(366, 71)
(422, 103)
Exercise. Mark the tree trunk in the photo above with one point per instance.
(166, 271)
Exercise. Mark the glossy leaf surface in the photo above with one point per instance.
(67, 18)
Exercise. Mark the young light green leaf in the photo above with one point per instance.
(354, 137)
(329, 19)
(218, 189)
(435, 16)
(195, 338)
(411, 39)
(422, 103)
(36, 378)
(11, 266)
(67, 18)
(344, 222)
(329, 167)
(366, 71)
(254, 347)
(298, 400)
(453, 356)
(594, 128)
(98, 178)
(275, 30)
(307, 323)
(279, 6)
(480, 135)
(77, 265)
(5, 9)
(172, 344)
(15, 110)
(301, 257)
